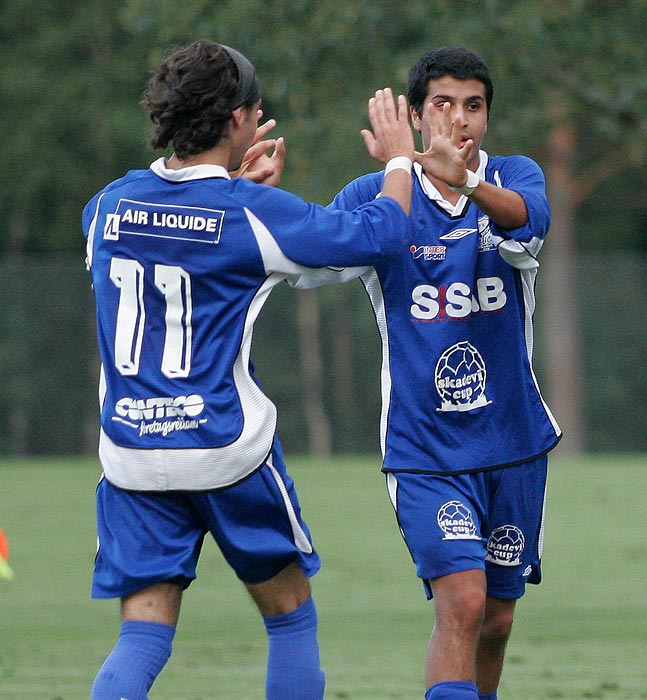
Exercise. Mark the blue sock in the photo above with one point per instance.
(493, 696)
(452, 690)
(293, 668)
(135, 662)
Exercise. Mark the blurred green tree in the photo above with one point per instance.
(570, 91)
(70, 82)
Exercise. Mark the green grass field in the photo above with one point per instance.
(581, 634)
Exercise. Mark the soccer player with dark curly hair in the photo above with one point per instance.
(182, 257)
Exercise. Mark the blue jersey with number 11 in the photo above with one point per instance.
(182, 262)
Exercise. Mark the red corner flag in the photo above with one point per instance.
(5, 570)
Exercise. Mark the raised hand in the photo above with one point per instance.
(446, 157)
(258, 164)
(391, 133)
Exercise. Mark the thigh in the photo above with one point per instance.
(515, 528)
(258, 524)
(144, 539)
(440, 518)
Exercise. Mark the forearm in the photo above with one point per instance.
(505, 207)
(397, 185)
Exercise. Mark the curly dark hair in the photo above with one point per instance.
(190, 98)
(455, 61)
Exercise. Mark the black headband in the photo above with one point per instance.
(248, 83)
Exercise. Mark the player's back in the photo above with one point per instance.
(182, 262)
(178, 280)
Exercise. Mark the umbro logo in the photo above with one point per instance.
(457, 234)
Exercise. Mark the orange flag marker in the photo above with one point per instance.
(5, 570)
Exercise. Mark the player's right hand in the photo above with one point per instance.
(258, 165)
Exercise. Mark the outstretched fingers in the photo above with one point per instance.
(263, 129)
(382, 114)
(390, 133)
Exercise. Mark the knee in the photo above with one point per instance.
(497, 624)
(282, 594)
(464, 609)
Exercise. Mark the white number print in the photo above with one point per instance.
(175, 285)
(128, 277)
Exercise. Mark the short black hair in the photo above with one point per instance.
(455, 61)
(191, 96)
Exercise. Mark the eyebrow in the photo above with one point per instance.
(449, 98)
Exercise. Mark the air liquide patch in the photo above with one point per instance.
(197, 224)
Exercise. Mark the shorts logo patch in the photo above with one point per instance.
(505, 546)
(456, 521)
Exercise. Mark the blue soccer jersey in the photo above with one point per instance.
(454, 309)
(181, 264)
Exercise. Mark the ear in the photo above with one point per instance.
(238, 117)
(415, 119)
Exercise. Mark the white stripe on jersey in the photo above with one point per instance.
(89, 246)
(528, 290)
(274, 259)
(373, 287)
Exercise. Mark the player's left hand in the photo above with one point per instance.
(258, 164)
(446, 157)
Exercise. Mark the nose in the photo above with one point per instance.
(460, 114)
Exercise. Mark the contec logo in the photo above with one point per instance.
(160, 407)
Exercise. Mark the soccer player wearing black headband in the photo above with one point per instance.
(182, 258)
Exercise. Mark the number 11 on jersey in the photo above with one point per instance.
(174, 284)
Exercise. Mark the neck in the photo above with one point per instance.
(213, 156)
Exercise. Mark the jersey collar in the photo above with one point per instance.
(434, 195)
(194, 172)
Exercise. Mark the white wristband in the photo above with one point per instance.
(398, 163)
(472, 183)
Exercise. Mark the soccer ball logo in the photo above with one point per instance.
(460, 378)
(455, 520)
(505, 546)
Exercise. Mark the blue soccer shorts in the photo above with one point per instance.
(153, 537)
(489, 520)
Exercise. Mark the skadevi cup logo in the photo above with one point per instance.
(505, 546)
(460, 377)
(455, 520)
